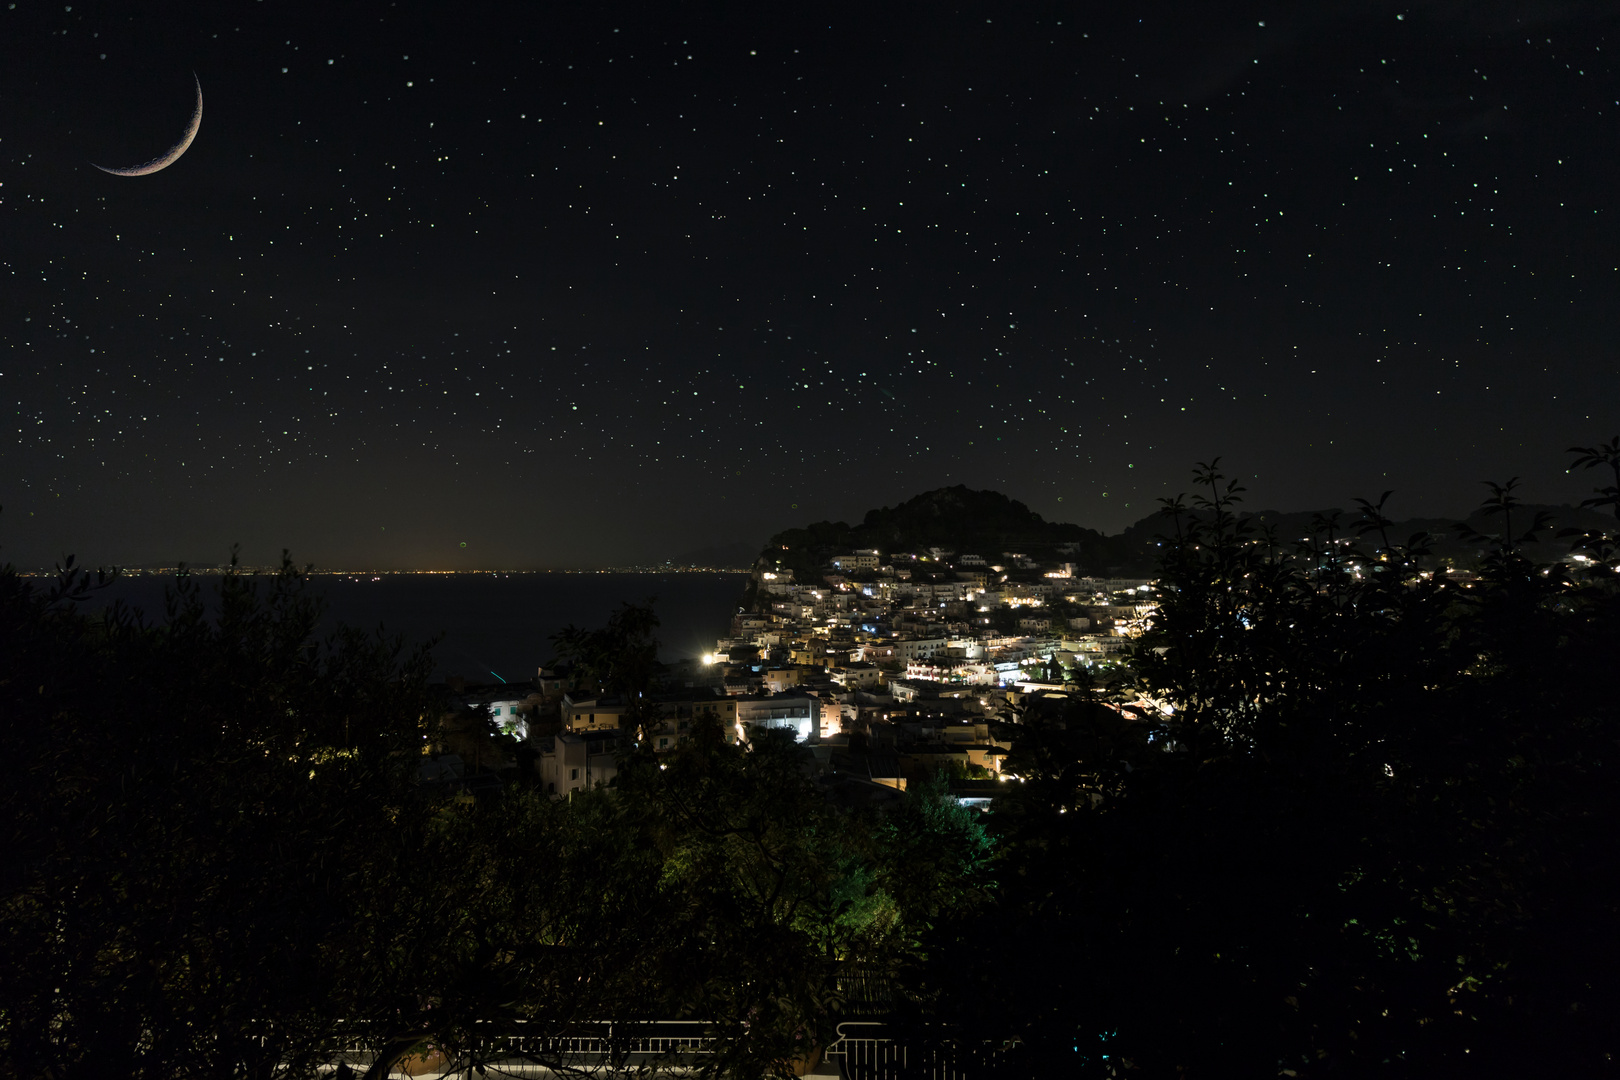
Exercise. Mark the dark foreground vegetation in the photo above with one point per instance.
(1378, 837)
(219, 860)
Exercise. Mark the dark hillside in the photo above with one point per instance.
(959, 520)
(988, 523)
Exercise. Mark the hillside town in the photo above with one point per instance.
(888, 666)
(893, 649)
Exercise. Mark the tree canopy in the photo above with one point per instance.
(222, 863)
(191, 811)
(1377, 834)
(1373, 832)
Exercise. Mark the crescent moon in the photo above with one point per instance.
(170, 156)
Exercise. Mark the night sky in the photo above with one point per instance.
(580, 284)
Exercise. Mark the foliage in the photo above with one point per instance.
(187, 811)
(1003, 619)
(714, 883)
(936, 856)
(1376, 836)
(764, 891)
(619, 658)
(221, 863)
(1604, 455)
(521, 913)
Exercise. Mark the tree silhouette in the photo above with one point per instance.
(1603, 455)
(1377, 834)
(192, 801)
(1374, 833)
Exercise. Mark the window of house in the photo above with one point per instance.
(573, 774)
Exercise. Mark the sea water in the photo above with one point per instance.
(497, 625)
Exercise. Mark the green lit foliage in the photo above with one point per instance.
(221, 864)
(753, 879)
(935, 856)
(772, 899)
(714, 883)
(516, 913)
(959, 770)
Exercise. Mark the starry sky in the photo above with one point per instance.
(487, 285)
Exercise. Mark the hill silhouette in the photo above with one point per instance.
(963, 521)
(960, 520)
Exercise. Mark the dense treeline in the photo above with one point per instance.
(192, 812)
(219, 861)
(1377, 837)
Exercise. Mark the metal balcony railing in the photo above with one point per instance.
(861, 1050)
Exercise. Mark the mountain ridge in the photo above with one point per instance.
(987, 523)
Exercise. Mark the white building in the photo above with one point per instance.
(906, 650)
(800, 714)
(570, 762)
